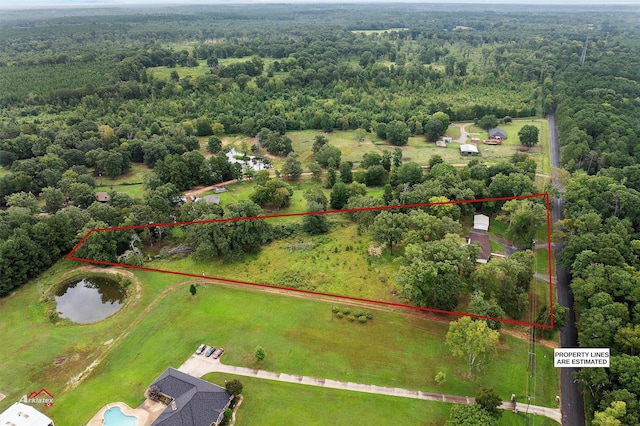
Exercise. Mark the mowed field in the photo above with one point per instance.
(320, 406)
(163, 324)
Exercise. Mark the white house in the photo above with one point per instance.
(24, 415)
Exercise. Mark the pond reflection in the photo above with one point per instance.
(90, 299)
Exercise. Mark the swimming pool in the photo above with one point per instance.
(115, 417)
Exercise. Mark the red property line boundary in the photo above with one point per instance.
(71, 256)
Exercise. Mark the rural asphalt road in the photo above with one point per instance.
(571, 402)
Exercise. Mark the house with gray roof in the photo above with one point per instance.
(497, 134)
(196, 402)
(481, 239)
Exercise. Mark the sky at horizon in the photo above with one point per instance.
(27, 4)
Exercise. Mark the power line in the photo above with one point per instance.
(584, 51)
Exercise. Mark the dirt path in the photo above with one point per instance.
(197, 191)
(464, 135)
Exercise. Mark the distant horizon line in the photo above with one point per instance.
(88, 4)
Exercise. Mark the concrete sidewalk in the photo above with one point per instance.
(198, 366)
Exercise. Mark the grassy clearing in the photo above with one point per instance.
(511, 145)
(134, 176)
(164, 73)
(130, 183)
(542, 262)
(135, 191)
(242, 191)
(419, 151)
(311, 405)
(498, 229)
(328, 267)
(496, 247)
(4, 171)
(453, 132)
(299, 335)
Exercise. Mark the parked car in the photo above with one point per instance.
(201, 349)
(210, 351)
(218, 353)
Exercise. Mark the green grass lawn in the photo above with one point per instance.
(542, 262)
(496, 247)
(4, 171)
(299, 336)
(130, 183)
(498, 229)
(135, 191)
(134, 176)
(164, 73)
(453, 132)
(310, 405)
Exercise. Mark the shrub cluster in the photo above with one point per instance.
(358, 314)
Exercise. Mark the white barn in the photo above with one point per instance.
(468, 149)
(481, 222)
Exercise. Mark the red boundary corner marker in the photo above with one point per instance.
(70, 256)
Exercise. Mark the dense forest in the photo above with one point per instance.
(92, 93)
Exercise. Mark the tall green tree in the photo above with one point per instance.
(528, 135)
(488, 122)
(292, 168)
(490, 401)
(434, 272)
(472, 341)
(327, 153)
(398, 133)
(315, 223)
(339, 196)
(345, 172)
(214, 144)
(389, 228)
(524, 217)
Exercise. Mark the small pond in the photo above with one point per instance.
(89, 299)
